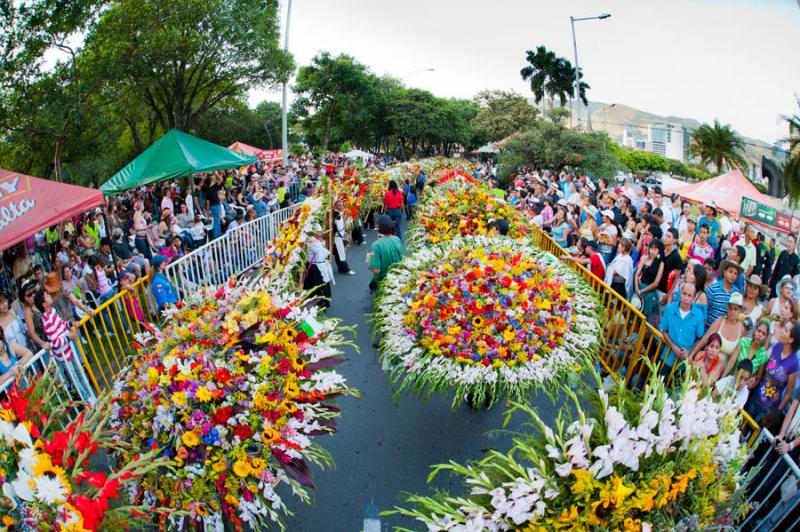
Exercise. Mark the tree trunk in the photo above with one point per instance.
(328, 120)
(57, 158)
(137, 141)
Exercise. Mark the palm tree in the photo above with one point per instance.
(539, 71)
(718, 144)
(791, 169)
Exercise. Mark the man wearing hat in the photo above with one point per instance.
(710, 219)
(163, 291)
(788, 263)
(719, 292)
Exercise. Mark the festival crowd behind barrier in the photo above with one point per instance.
(485, 316)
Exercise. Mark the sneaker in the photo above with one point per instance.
(351, 272)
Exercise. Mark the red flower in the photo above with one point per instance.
(485, 361)
(223, 414)
(93, 479)
(243, 431)
(222, 375)
(284, 366)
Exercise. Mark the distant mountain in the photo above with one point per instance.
(613, 118)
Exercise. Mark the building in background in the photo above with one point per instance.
(668, 140)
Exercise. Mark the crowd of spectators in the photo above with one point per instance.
(723, 292)
(84, 261)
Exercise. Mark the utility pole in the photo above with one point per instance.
(284, 117)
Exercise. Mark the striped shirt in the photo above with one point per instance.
(57, 332)
(717, 300)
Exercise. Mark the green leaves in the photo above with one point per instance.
(719, 145)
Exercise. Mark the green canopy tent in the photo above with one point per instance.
(176, 154)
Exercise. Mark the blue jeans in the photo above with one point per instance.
(397, 217)
(216, 214)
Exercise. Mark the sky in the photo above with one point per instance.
(733, 60)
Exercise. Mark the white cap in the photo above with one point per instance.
(608, 213)
(562, 202)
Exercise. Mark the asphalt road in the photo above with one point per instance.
(384, 448)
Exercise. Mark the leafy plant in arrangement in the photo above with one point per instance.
(630, 460)
(233, 392)
(48, 471)
(484, 317)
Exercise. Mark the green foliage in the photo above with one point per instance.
(791, 170)
(645, 161)
(719, 145)
(552, 75)
(144, 48)
(234, 121)
(500, 114)
(550, 146)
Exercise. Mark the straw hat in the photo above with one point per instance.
(755, 280)
(52, 283)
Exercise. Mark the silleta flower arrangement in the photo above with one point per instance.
(47, 465)
(635, 461)
(233, 391)
(457, 207)
(285, 255)
(487, 317)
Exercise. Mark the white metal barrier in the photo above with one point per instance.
(774, 491)
(75, 385)
(233, 253)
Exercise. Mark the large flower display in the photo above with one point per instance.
(48, 465)
(456, 206)
(635, 461)
(233, 391)
(285, 254)
(484, 316)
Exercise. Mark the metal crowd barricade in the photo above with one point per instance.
(66, 394)
(773, 494)
(106, 337)
(627, 337)
(233, 253)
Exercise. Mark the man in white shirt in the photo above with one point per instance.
(737, 384)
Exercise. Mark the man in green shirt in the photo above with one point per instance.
(387, 250)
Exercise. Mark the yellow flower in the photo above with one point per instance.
(202, 394)
(231, 500)
(241, 468)
(8, 521)
(219, 466)
(179, 398)
(152, 375)
(584, 483)
(190, 439)
(7, 415)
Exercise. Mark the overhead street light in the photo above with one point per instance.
(284, 118)
(576, 87)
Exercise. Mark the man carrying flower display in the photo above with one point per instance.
(385, 251)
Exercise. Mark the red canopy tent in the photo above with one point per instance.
(726, 191)
(264, 155)
(29, 204)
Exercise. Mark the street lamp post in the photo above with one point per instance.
(284, 117)
(576, 87)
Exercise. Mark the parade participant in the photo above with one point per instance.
(385, 251)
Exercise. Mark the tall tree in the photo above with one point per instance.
(500, 114)
(181, 58)
(791, 169)
(45, 86)
(540, 68)
(719, 145)
(330, 85)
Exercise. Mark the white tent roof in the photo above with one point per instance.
(489, 148)
(358, 153)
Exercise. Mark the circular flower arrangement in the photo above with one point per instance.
(488, 317)
(635, 461)
(460, 208)
(233, 390)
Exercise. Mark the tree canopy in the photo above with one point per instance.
(500, 114)
(719, 145)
